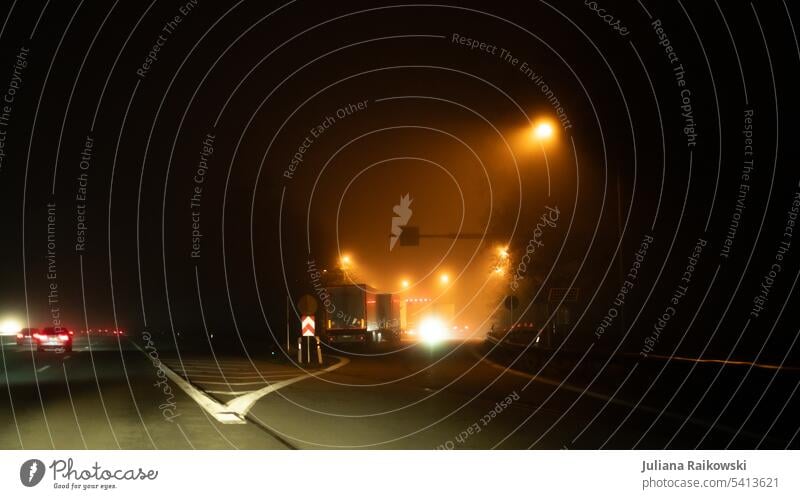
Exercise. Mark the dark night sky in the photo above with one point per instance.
(259, 77)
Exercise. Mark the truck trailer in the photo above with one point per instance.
(358, 314)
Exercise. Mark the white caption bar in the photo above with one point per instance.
(400, 474)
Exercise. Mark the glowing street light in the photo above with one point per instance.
(444, 278)
(405, 284)
(502, 252)
(345, 261)
(542, 131)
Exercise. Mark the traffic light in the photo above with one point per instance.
(409, 236)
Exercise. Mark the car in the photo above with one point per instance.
(53, 338)
(25, 336)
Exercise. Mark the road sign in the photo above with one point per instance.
(511, 302)
(307, 322)
(307, 305)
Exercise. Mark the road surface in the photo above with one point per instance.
(110, 393)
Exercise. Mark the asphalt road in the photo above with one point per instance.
(111, 394)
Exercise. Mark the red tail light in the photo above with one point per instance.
(38, 336)
(71, 332)
(19, 335)
(63, 337)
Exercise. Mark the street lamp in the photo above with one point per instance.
(345, 268)
(345, 264)
(405, 284)
(444, 278)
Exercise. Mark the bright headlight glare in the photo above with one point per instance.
(432, 330)
(10, 326)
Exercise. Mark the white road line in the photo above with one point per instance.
(218, 392)
(211, 406)
(43, 368)
(599, 396)
(234, 411)
(245, 374)
(195, 363)
(243, 403)
(201, 377)
(561, 385)
(176, 366)
(238, 372)
(260, 382)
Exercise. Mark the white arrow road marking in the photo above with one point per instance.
(243, 403)
(235, 410)
(217, 392)
(226, 383)
(210, 363)
(254, 377)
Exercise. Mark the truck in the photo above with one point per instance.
(356, 313)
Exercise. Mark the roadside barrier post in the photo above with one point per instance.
(300, 350)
